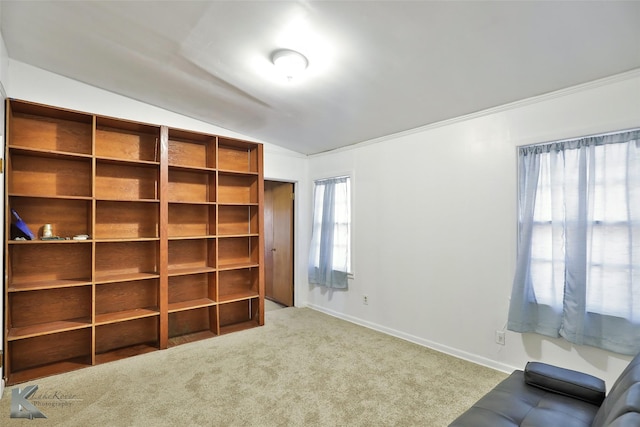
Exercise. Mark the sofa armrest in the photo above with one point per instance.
(566, 382)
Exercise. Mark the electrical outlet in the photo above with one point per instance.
(365, 300)
(500, 337)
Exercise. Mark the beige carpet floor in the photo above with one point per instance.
(303, 368)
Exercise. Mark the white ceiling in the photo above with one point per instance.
(375, 68)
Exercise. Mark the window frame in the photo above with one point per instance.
(351, 176)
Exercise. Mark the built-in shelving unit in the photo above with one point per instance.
(174, 246)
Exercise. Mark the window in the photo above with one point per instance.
(330, 252)
(578, 269)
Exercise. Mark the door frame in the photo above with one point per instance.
(294, 257)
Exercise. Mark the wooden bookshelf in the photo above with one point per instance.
(173, 247)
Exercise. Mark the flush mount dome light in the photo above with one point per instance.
(289, 62)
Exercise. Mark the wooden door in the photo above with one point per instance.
(278, 231)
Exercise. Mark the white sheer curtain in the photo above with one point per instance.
(578, 267)
(329, 255)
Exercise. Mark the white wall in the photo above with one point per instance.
(435, 226)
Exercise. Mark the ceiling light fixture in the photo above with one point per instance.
(289, 62)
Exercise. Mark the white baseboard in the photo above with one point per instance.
(474, 358)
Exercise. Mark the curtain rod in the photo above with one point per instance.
(331, 178)
(595, 135)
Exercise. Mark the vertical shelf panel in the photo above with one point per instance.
(163, 260)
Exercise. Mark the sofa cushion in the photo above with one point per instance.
(565, 381)
(514, 403)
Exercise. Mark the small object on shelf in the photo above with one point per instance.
(53, 238)
(22, 229)
(47, 231)
(81, 237)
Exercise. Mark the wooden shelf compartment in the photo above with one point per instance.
(120, 181)
(238, 252)
(68, 217)
(191, 150)
(52, 129)
(240, 284)
(189, 220)
(192, 291)
(48, 311)
(116, 341)
(191, 186)
(125, 140)
(126, 261)
(239, 315)
(38, 264)
(237, 220)
(117, 302)
(190, 325)
(45, 355)
(193, 255)
(237, 189)
(48, 176)
(126, 220)
(237, 156)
